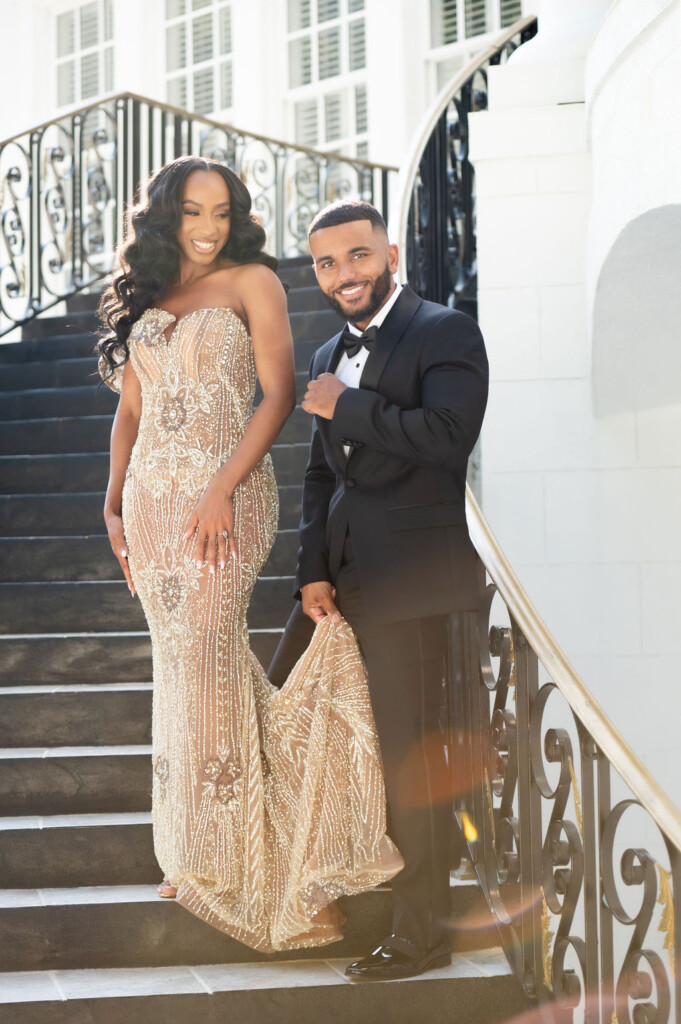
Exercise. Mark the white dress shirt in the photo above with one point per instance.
(350, 370)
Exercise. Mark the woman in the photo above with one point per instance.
(267, 804)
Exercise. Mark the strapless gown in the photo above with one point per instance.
(267, 804)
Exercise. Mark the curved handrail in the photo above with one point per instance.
(409, 169)
(583, 703)
(209, 122)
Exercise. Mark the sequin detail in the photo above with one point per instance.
(266, 803)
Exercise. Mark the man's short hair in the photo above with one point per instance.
(343, 211)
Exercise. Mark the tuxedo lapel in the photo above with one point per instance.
(389, 333)
(327, 362)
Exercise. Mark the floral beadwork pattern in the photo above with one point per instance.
(315, 897)
(162, 773)
(148, 330)
(224, 776)
(171, 581)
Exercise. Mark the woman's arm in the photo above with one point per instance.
(123, 436)
(264, 303)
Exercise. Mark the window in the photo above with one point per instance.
(454, 21)
(199, 74)
(84, 52)
(327, 55)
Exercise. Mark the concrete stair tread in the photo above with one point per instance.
(36, 821)
(110, 750)
(40, 689)
(209, 978)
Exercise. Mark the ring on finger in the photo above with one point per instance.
(225, 534)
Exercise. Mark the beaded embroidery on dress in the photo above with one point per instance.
(267, 804)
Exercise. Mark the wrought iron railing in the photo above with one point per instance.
(65, 186)
(576, 847)
(435, 218)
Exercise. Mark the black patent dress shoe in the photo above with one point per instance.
(399, 958)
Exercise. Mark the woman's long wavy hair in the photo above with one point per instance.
(149, 263)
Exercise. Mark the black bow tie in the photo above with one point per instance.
(353, 342)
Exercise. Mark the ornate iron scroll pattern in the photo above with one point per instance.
(66, 188)
(585, 903)
(440, 245)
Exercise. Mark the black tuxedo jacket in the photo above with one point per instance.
(411, 425)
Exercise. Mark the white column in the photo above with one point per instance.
(139, 48)
(397, 38)
(259, 66)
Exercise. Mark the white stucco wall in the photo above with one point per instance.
(586, 505)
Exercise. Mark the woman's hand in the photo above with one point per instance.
(114, 526)
(211, 520)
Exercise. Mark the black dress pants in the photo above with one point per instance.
(406, 665)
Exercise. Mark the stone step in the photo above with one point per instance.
(88, 400)
(307, 298)
(78, 558)
(101, 604)
(38, 403)
(67, 341)
(52, 373)
(74, 779)
(89, 471)
(61, 850)
(48, 435)
(40, 335)
(77, 372)
(479, 985)
(297, 272)
(48, 658)
(129, 926)
(78, 714)
(77, 514)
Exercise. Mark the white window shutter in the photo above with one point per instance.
(477, 21)
(204, 101)
(334, 119)
(357, 44)
(89, 26)
(198, 4)
(327, 10)
(226, 85)
(108, 69)
(329, 53)
(66, 83)
(355, 5)
(174, 9)
(202, 38)
(361, 112)
(444, 21)
(177, 92)
(299, 14)
(66, 34)
(225, 30)
(89, 75)
(300, 61)
(176, 47)
(509, 11)
(307, 133)
(108, 19)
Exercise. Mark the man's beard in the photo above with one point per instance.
(379, 290)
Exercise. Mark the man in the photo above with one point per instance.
(398, 400)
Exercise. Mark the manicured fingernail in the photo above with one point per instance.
(198, 564)
(124, 552)
(234, 555)
(211, 568)
(223, 564)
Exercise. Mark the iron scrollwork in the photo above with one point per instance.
(585, 915)
(65, 189)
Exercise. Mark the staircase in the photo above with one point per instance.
(83, 936)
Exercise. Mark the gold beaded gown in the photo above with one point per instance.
(267, 804)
